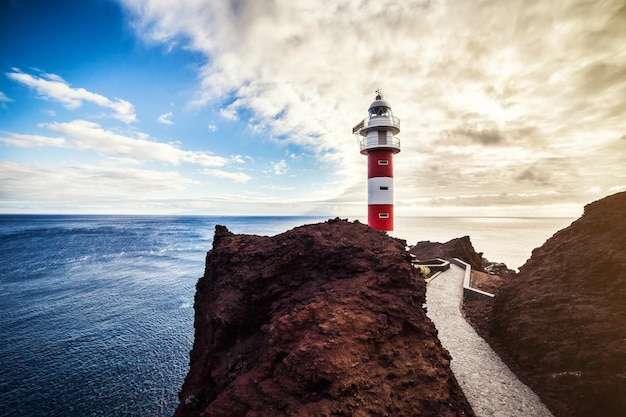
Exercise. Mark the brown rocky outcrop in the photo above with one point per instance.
(562, 320)
(323, 320)
(461, 248)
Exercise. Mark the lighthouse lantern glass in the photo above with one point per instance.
(380, 111)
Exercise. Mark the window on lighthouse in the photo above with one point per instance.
(383, 162)
(383, 215)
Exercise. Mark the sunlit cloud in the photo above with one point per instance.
(53, 87)
(238, 177)
(166, 118)
(22, 181)
(229, 114)
(32, 141)
(4, 100)
(279, 167)
(238, 159)
(87, 135)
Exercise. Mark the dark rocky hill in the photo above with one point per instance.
(561, 320)
(323, 320)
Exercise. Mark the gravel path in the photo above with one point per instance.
(490, 387)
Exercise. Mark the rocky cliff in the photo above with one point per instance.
(562, 320)
(323, 320)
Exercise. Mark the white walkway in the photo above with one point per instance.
(490, 387)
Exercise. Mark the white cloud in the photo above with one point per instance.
(617, 188)
(91, 136)
(4, 100)
(238, 177)
(229, 114)
(82, 182)
(53, 87)
(212, 127)
(32, 141)
(279, 167)
(279, 187)
(166, 118)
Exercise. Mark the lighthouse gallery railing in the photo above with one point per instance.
(377, 121)
(372, 143)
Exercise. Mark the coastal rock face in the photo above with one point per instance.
(562, 319)
(461, 248)
(323, 320)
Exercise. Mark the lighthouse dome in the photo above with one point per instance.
(380, 107)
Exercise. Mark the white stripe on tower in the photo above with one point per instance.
(380, 190)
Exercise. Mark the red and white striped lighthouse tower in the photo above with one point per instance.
(377, 140)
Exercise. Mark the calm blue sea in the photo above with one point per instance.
(96, 312)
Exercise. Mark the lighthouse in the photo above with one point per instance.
(377, 139)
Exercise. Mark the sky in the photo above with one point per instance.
(246, 107)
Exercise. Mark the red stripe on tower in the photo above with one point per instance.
(377, 140)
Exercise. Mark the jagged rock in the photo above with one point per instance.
(456, 248)
(323, 320)
(497, 268)
(561, 319)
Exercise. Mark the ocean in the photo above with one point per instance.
(96, 312)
